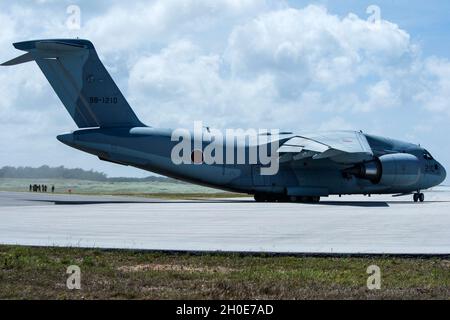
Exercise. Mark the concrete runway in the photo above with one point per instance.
(353, 224)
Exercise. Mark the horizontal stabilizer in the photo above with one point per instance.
(59, 47)
(27, 57)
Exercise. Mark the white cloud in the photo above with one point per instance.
(316, 47)
(283, 62)
(8, 29)
(434, 92)
(335, 123)
(178, 76)
(378, 97)
(145, 24)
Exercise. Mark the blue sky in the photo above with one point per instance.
(293, 65)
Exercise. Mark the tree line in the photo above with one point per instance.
(46, 172)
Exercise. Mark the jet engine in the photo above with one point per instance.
(397, 170)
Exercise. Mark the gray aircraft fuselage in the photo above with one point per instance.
(150, 149)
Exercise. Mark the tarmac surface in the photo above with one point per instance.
(347, 225)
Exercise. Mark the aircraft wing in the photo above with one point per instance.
(345, 147)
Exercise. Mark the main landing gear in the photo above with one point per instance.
(314, 199)
(268, 197)
(263, 197)
(419, 197)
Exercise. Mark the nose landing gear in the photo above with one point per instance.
(419, 197)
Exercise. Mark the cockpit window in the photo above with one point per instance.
(427, 155)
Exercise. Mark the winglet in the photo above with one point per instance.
(27, 57)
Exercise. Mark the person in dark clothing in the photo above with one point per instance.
(31, 188)
(53, 189)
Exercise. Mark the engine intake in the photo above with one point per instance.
(397, 170)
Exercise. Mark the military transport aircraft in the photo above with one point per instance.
(310, 166)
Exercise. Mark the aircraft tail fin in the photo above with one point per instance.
(81, 81)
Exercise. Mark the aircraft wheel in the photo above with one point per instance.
(259, 197)
(304, 199)
(313, 199)
(416, 197)
(283, 198)
(421, 197)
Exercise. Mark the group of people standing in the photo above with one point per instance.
(40, 188)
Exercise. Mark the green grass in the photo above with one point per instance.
(166, 190)
(39, 273)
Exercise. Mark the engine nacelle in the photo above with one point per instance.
(397, 170)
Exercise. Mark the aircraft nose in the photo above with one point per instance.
(443, 173)
(435, 178)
